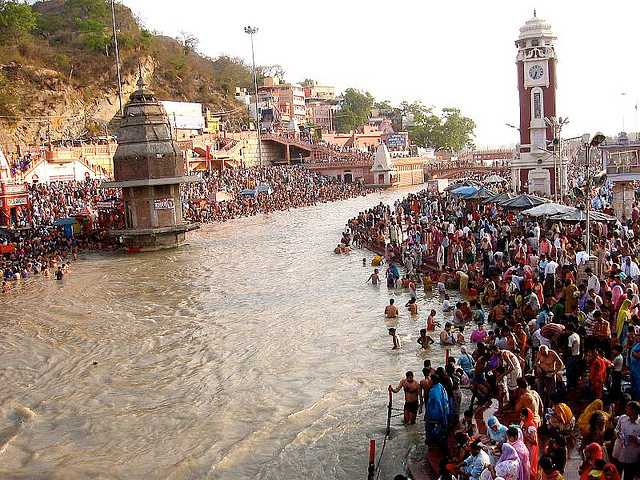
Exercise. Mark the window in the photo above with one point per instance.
(537, 105)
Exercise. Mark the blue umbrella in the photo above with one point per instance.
(64, 221)
(465, 191)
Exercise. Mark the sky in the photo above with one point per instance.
(444, 53)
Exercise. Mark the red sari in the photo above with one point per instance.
(530, 434)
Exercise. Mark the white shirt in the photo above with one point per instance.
(573, 342)
(624, 450)
(550, 268)
(593, 284)
(581, 257)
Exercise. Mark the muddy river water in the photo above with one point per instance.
(253, 352)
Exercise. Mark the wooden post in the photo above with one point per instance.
(372, 460)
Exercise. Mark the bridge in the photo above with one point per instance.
(455, 170)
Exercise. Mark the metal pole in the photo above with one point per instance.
(556, 182)
(251, 31)
(115, 43)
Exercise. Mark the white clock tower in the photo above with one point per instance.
(534, 169)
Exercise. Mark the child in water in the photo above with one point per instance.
(460, 336)
(424, 340)
(396, 339)
(374, 277)
(412, 306)
(446, 305)
(431, 321)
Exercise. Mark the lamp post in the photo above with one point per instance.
(558, 165)
(595, 141)
(251, 31)
(115, 45)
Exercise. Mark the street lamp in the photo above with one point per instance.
(557, 124)
(117, 51)
(251, 31)
(595, 141)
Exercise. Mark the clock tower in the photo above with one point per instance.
(534, 169)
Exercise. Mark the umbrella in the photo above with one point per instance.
(465, 191)
(499, 198)
(547, 209)
(578, 215)
(463, 183)
(481, 194)
(523, 201)
(494, 179)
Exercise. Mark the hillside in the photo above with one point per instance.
(58, 75)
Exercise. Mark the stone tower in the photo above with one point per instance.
(534, 170)
(149, 168)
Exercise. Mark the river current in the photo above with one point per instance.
(254, 352)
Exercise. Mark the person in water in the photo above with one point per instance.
(374, 277)
(396, 339)
(446, 336)
(391, 311)
(431, 321)
(424, 340)
(411, 392)
(446, 305)
(412, 306)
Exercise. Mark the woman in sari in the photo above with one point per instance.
(508, 465)
(610, 472)
(530, 438)
(437, 412)
(514, 437)
(562, 419)
(624, 314)
(593, 452)
(496, 431)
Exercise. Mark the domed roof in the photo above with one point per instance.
(536, 28)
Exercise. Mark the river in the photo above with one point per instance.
(253, 352)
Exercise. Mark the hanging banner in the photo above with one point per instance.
(164, 204)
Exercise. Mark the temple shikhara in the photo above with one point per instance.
(149, 168)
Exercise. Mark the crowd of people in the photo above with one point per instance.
(553, 335)
(36, 242)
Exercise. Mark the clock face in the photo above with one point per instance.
(536, 72)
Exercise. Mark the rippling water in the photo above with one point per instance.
(253, 352)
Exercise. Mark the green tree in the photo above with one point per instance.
(448, 131)
(308, 82)
(355, 108)
(231, 72)
(16, 19)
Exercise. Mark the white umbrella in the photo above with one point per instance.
(547, 209)
(494, 179)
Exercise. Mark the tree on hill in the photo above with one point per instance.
(16, 20)
(355, 108)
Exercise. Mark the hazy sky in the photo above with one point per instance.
(442, 52)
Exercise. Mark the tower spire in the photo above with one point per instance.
(140, 77)
(534, 13)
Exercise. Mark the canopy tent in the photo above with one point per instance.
(523, 201)
(548, 209)
(499, 198)
(65, 221)
(465, 191)
(463, 183)
(248, 192)
(481, 194)
(494, 179)
(264, 188)
(578, 215)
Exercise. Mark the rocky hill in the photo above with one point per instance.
(58, 75)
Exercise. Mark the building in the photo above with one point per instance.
(186, 119)
(493, 157)
(287, 101)
(322, 113)
(320, 92)
(533, 169)
(149, 168)
(14, 198)
(621, 160)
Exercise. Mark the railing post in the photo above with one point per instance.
(372, 460)
(389, 407)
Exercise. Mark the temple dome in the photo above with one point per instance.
(536, 28)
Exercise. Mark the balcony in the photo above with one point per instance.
(621, 172)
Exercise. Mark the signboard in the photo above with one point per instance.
(15, 188)
(17, 201)
(396, 140)
(106, 205)
(164, 204)
(184, 115)
(61, 178)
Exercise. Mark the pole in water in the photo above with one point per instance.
(372, 459)
(389, 407)
(446, 356)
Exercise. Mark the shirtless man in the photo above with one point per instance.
(425, 385)
(411, 396)
(412, 306)
(547, 366)
(446, 337)
(424, 340)
(374, 277)
(391, 311)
